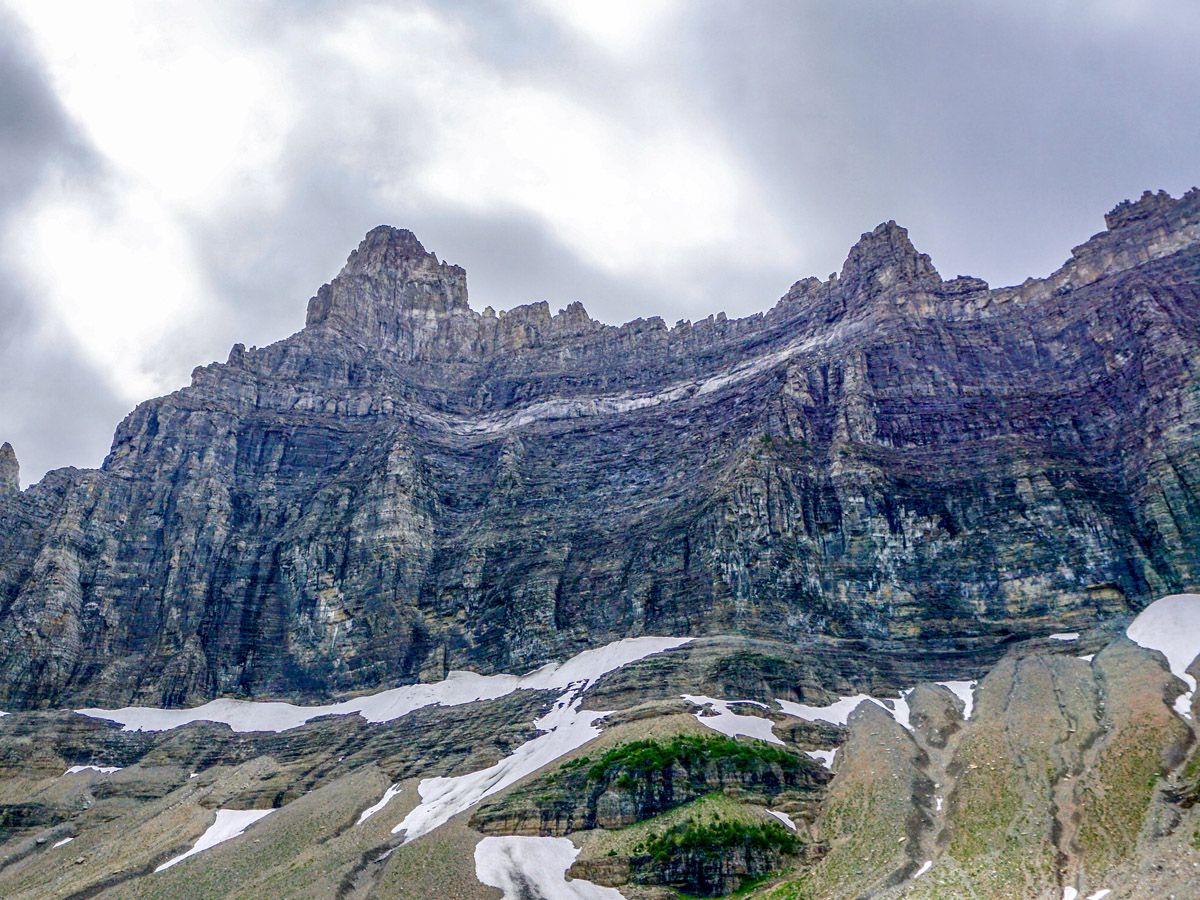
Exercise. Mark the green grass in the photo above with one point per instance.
(711, 841)
(639, 759)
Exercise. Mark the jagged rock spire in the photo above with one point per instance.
(1129, 211)
(385, 248)
(884, 257)
(394, 294)
(10, 469)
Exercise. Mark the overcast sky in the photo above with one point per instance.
(179, 176)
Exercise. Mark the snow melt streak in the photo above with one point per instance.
(784, 818)
(229, 824)
(376, 807)
(534, 867)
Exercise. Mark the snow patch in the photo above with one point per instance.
(730, 723)
(1172, 627)
(1069, 893)
(103, 770)
(838, 712)
(1099, 895)
(824, 757)
(1065, 636)
(535, 867)
(899, 709)
(925, 867)
(784, 818)
(564, 728)
(456, 689)
(61, 843)
(229, 824)
(376, 807)
(964, 691)
(1089, 657)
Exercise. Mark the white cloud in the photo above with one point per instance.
(182, 118)
(192, 108)
(621, 27)
(117, 277)
(647, 190)
(167, 93)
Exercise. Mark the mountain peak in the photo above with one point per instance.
(883, 257)
(385, 247)
(394, 294)
(10, 470)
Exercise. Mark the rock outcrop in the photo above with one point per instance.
(408, 485)
(1059, 771)
(10, 470)
(643, 779)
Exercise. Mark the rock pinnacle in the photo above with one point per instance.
(10, 470)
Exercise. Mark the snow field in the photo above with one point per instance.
(1172, 627)
(456, 689)
(524, 867)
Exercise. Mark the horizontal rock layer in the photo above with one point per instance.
(892, 460)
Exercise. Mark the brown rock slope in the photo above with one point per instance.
(1068, 772)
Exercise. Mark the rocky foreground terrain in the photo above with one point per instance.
(651, 768)
(832, 601)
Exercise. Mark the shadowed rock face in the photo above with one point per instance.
(408, 485)
(10, 470)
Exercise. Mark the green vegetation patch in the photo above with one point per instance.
(637, 780)
(714, 841)
(640, 759)
(1117, 794)
(713, 846)
(712, 858)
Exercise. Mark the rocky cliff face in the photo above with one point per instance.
(911, 465)
(10, 470)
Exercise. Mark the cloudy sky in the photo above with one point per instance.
(178, 176)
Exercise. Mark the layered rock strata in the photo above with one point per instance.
(903, 463)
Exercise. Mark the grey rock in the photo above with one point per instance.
(10, 470)
(884, 459)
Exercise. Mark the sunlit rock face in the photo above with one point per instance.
(917, 467)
